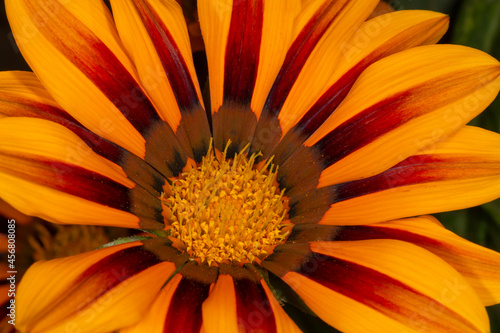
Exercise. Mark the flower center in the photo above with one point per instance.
(226, 210)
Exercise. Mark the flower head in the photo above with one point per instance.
(326, 135)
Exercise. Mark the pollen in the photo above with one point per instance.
(227, 210)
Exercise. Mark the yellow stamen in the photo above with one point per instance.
(227, 211)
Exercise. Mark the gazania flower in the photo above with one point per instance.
(328, 133)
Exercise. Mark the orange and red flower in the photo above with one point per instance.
(327, 135)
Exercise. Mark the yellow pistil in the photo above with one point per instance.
(227, 210)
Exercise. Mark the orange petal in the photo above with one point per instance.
(320, 29)
(283, 321)
(477, 264)
(461, 81)
(243, 305)
(219, 309)
(178, 307)
(155, 34)
(401, 288)
(461, 172)
(23, 95)
(381, 9)
(102, 290)
(154, 319)
(399, 105)
(246, 42)
(48, 171)
(374, 40)
(50, 185)
(65, 45)
(75, 51)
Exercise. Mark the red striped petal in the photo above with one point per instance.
(67, 292)
(97, 84)
(479, 265)
(390, 126)
(321, 28)
(374, 40)
(192, 128)
(185, 314)
(66, 182)
(401, 287)
(235, 120)
(253, 307)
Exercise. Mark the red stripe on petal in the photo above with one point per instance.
(350, 233)
(107, 273)
(253, 307)
(268, 131)
(416, 169)
(87, 184)
(386, 115)
(98, 144)
(365, 127)
(170, 56)
(329, 101)
(369, 125)
(378, 291)
(235, 121)
(119, 266)
(70, 179)
(193, 131)
(313, 118)
(184, 314)
(136, 169)
(298, 53)
(15, 106)
(141, 200)
(28, 108)
(242, 50)
(326, 104)
(310, 206)
(96, 61)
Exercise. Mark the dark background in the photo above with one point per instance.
(474, 23)
(10, 58)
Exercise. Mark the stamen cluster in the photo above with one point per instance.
(227, 210)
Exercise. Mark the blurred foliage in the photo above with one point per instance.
(474, 23)
(443, 6)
